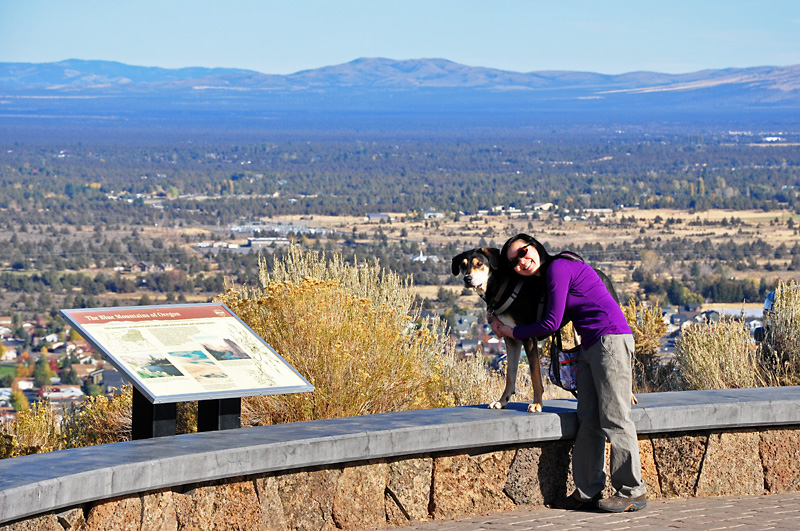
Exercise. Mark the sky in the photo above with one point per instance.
(283, 37)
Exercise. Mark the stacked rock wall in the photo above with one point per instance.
(398, 491)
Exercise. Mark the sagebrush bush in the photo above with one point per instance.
(98, 420)
(36, 430)
(719, 355)
(650, 373)
(356, 335)
(781, 346)
(722, 354)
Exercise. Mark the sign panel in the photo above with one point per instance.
(187, 352)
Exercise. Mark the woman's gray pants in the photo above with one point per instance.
(604, 412)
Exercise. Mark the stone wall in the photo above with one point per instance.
(397, 491)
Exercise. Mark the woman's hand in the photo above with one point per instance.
(501, 330)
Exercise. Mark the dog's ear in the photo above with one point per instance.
(493, 256)
(455, 267)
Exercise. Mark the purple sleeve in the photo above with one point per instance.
(557, 281)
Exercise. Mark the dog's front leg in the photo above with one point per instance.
(513, 349)
(532, 350)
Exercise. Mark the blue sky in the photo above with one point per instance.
(281, 37)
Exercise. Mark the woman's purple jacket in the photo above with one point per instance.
(575, 290)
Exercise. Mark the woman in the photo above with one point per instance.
(604, 373)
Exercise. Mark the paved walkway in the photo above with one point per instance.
(774, 511)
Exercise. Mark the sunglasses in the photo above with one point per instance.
(521, 253)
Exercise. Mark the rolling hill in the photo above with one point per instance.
(763, 84)
(377, 93)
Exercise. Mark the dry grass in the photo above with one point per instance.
(722, 355)
(781, 346)
(470, 381)
(719, 355)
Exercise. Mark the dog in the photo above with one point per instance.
(514, 300)
(482, 270)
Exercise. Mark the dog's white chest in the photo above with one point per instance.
(507, 320)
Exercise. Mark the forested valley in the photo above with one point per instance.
(99, 225)
(222, 183)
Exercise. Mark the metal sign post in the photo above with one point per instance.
(222, 414)
(150, 420)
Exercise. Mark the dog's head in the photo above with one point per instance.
(476, 266)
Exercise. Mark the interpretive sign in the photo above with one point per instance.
(187, 352)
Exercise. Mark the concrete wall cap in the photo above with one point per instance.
(44, 482)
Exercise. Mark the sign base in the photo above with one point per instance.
(150, 420)
(221, 414)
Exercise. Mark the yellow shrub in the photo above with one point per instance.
(352, 332)
(35, 430)
(8, 447)
(99, 420)
(96, 420)
(648, 327)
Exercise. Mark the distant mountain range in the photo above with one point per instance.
(372, 87)
(767, 84)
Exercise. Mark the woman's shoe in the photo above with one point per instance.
(620, 504)
(573, 503)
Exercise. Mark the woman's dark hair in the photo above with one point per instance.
(545, 257)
